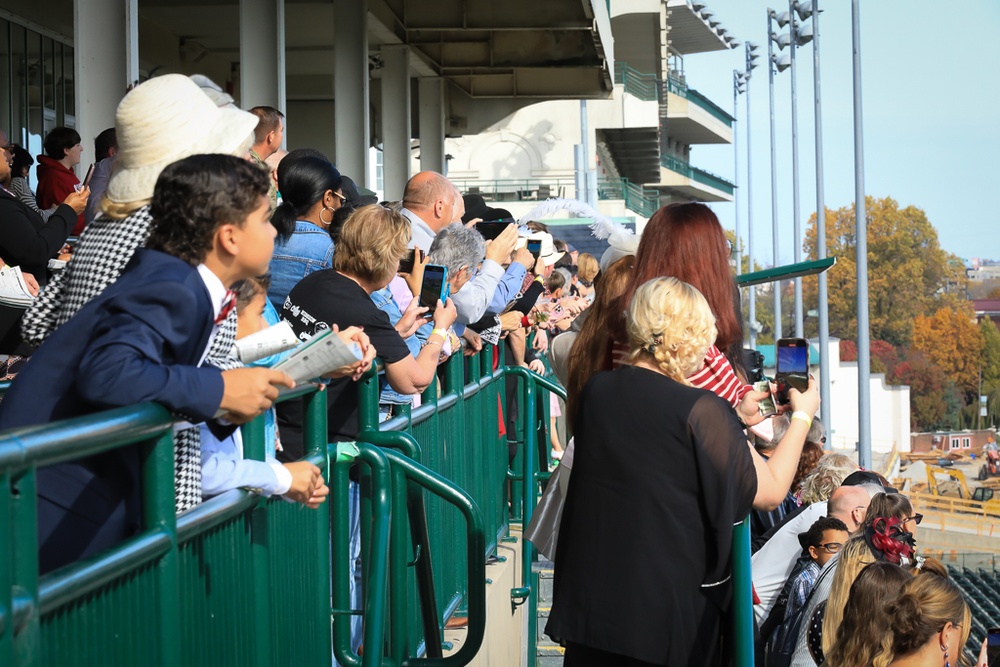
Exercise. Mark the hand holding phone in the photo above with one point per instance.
(791, 367)
(435, 286)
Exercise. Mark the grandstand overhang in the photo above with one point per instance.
(691, 31)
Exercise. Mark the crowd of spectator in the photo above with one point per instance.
(186, 247)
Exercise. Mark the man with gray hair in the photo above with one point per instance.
(430, 203)
(460, 250)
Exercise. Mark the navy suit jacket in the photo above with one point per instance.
(140, 340)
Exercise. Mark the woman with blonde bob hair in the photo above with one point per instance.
(658, 461)
(372, 241)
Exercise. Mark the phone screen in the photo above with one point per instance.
(793, 356)
(535, 248)
(993, 647)
(432, 289)
(492, 229)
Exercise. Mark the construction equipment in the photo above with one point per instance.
(957, 487)
(991, 462)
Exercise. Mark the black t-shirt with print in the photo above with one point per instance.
(321, 299)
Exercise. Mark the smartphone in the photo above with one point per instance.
(406, 264)
(90, 174)
(791, 367)
(493, 228)
(535, 247)
(993, 647)
(435, 286)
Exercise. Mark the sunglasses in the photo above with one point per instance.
(916, 517)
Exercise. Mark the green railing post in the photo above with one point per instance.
(376, 566)
(159, 513)
(475, 563)
(742, 604)
(254, 448)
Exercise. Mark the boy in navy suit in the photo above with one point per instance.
(143, 339)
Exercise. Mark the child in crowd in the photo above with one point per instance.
(823, 541)
(222, 464)
(143, 339)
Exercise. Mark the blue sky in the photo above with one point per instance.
(931, 96)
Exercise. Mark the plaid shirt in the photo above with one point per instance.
(802, 587)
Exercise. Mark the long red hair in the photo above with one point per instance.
(687, 242)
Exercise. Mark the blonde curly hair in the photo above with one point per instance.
(670, 323)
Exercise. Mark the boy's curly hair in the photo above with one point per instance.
(194, 196)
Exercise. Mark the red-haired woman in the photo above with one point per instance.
(686, 241)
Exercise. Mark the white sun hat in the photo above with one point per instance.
(163, 120)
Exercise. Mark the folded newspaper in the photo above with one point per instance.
(13, 290)
(321, 354)
(266, 342)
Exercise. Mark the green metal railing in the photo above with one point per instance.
(517, 189)
(637, 84)
(641, 200)
(684, 168)
(679, 88)
(239, 579)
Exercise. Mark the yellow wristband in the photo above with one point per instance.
(440, 332)
(804, 416)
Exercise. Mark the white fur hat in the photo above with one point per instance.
(163, 120)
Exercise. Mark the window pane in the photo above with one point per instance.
(35, 82)
(69, 93)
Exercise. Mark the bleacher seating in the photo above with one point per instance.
(982, 593)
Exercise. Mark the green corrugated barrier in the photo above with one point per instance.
(241, 580)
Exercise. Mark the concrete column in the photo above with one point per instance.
(395, 119)
(432, 117)
(262, 53)
(100, 67)
(350, 86)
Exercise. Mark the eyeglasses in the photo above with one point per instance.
(585, 283)
(916, 517)
(831, 547)
(339, 196)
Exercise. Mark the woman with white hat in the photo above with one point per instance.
(158, 122)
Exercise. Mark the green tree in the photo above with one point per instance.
(908, 272)
(991, 351)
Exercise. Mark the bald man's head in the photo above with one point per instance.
(432, 197)
(849, 504)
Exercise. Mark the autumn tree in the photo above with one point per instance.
(908, 272)
(929, 392)
(951, 339)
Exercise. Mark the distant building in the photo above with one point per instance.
(952, 441)
(987, 308)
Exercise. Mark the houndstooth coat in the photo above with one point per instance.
(104, 249)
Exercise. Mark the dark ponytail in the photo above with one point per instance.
(302, 181)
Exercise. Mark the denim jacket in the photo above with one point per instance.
(309, 249)
(383, 301)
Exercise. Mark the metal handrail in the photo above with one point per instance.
(377, 564)
(475, 563)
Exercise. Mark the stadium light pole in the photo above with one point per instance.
(739, 87)
(806, 10)
(799, 37)
(861, 223)
(779, 64)
(751, 65)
